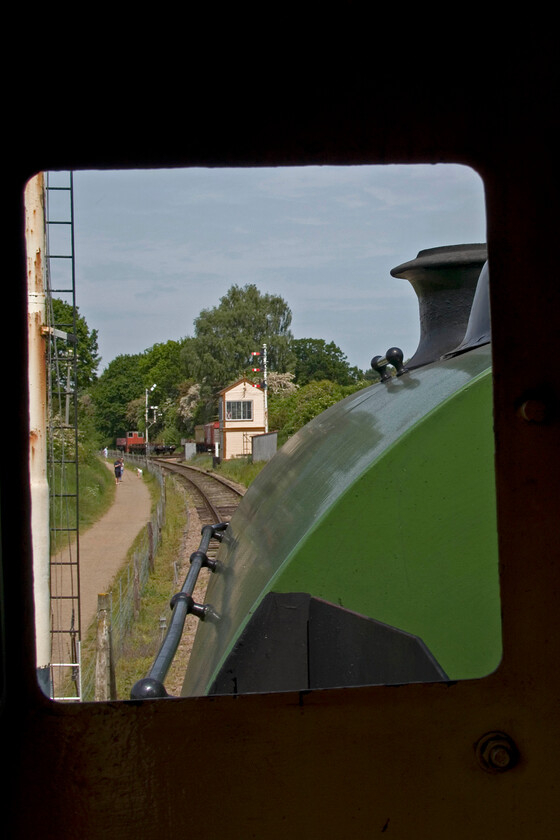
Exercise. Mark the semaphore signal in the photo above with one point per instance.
(262, 384)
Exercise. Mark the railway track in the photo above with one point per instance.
(215, 498)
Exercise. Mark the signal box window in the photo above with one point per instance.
(239, 410)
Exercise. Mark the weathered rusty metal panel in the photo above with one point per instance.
(37, 388)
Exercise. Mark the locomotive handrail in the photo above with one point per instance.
(182, 604)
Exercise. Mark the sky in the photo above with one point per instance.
(155, 247)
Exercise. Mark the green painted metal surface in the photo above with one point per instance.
(384, 504)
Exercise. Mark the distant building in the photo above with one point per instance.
(241, 411)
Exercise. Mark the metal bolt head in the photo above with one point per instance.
(533, 411)
(496, 752)
(499, 757)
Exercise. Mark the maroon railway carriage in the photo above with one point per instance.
(206, 436)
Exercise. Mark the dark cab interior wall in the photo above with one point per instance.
(360, 761)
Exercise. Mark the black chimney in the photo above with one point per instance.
(444, 280)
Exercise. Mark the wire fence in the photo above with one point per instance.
(127, 590)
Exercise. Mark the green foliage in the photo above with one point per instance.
(119, 384)
(143, 640)
(164, 364)
(281, 383)
(316, 360)
(168, 428)
(305, 375)
(119, 396)
(240, 470)
(225, 336)
(96, 490)
(68, 320)
(202, 460)
(136, 413)
(289, 413)
(87, 422)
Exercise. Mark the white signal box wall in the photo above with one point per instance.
(241, 416)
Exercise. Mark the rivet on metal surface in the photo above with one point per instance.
(496, 752)
(533, 411)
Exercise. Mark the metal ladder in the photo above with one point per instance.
(62, 460)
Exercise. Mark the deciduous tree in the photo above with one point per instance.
(119, 384)
(316, 360)
(225, 336)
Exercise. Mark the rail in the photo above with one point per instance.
(182, 604)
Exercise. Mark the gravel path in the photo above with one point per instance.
(104, 546)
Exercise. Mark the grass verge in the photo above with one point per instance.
(144, 638)
(96, 495)
(240, 470)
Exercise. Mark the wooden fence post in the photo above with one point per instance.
(136, 585)
(150, 529)
(105, 682)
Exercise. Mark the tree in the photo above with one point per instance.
(281, 383)
(316, 360)
(288, 413)
(225, 336)
(164, 364)
(87, 354)
(188, 407)
(119, 384)
(136, 414)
